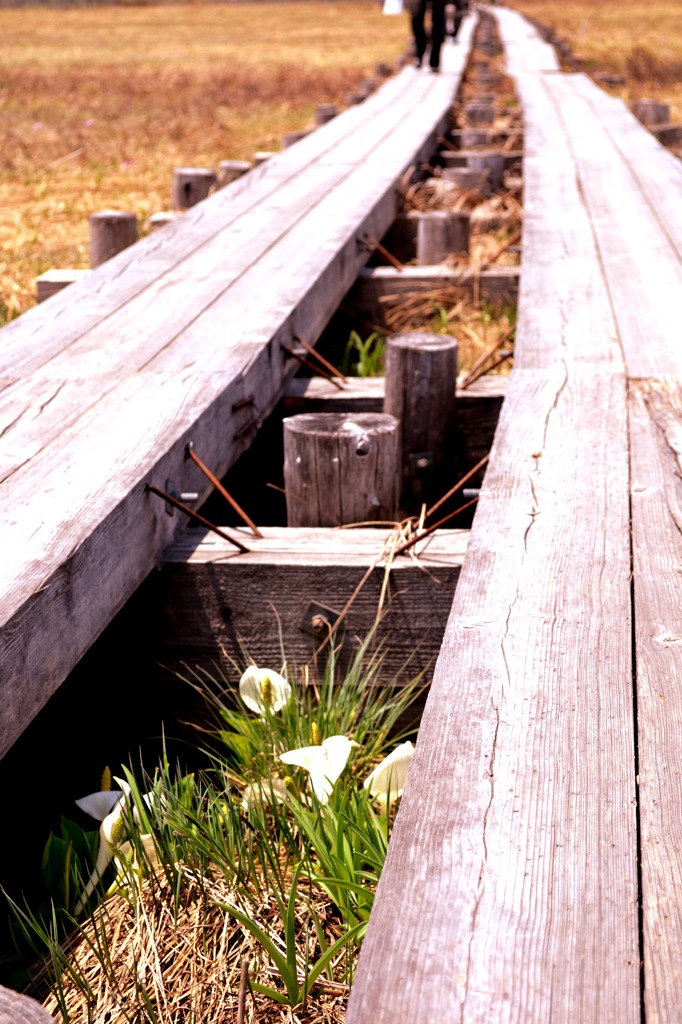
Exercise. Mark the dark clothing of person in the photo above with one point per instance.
(437, 30)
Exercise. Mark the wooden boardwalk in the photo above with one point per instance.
(534, 874)
(176, 340)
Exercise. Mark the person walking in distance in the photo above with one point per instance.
(461, 7)
(421, 38)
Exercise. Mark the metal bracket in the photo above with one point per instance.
(318, 620)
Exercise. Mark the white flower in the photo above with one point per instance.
(387, 781)
(263, 690)
(267, 791)
(126, 858)
(324, 763)
(107, 806)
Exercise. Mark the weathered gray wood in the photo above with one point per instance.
(213, 606)
(325, 112)
(129, 377)
(510, 887)
(655, 416)
(468, 179)
(374, 285)
(18, 1009)
(34, 342)
(441, 234)
(668, 134)
(53, 281)
(341, 469)
(410, 235)
(230, 170)
(289, 138)
(565, 310)
(477, 409)
(640, 257)
(420, 376)
(111, 231)
(650, 112)
(191, 185)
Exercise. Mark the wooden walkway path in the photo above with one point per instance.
(534, 874)
(176, 339)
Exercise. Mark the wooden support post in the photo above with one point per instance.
(441, 234)
(340, 469)
(651, 112)
(402, 239)
(53, 281)
(230, 170)
(325, 112)
(466, 178)
(420, 376)
(191, 185)
(110, 232)
(479, 113)
(289, 138)
(494, 164)
(19, 1009)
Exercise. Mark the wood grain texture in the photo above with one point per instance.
(104, 387)
(213, 607)
(512, 867)
(341, 468)
(18, 1009)
(641, 262)
(564, 305)
(656, 446)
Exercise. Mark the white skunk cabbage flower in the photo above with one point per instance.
(263, 690)
(324, 763)
(387, 781)
(108, 807)
(267, 791)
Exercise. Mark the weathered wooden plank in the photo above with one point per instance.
(564, 307)
(348, 140)
(524, 49)
(510, 888)
(214, 608)
(655, 168)
(656, 446)
(42, 332)
(374, 285)
(79, 532)
(226, 279)
(641, 263)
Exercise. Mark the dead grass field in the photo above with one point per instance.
(643, 41)
(99, 104)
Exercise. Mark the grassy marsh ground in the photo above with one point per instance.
(100, 103)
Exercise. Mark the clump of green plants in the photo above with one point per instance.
(364, 357)
(255, 876)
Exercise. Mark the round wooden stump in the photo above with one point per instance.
(110, 232)
(421, 374)
(18, 1009)
(340, 469)
(441, 234)
(190, 186)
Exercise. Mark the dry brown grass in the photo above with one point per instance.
(184, 953)
(99, 104)
(640, 40)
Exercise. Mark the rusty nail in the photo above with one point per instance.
(195, 515)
